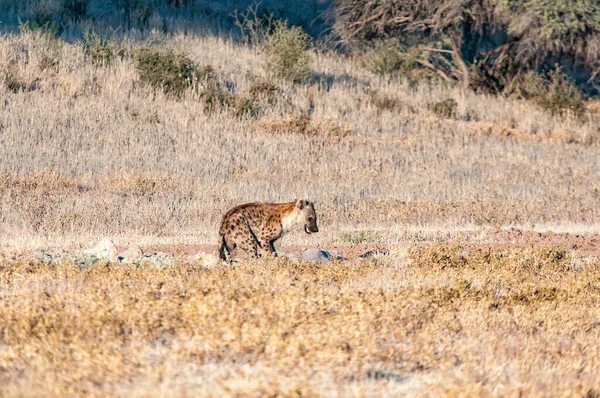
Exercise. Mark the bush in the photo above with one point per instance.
(554, 92)
(386, 57)
(286, 56)
(75, 10)
(242, 105)
(101, 50)
(502, 38)
(169, 71)
(254, 26)
(263, 88)
(12, 82)
(384, 102)
(445, 108)
(41, 44)
(216, 98)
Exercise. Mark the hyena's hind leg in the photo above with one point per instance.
(226, 247)
(246, 243)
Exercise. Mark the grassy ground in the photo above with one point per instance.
(441, 320)
(90, 152)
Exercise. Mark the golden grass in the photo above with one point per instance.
(442, 321)
(302, 124)
(88, 152)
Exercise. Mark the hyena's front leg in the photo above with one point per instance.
(276, 246)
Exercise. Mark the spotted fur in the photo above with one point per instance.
(254, 228)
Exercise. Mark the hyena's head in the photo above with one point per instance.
(307, 215)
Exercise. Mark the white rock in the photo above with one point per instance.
(104, 249)
(310, 255)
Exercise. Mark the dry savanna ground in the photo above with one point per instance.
(473, 299)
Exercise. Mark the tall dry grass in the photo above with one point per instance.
(90, 151)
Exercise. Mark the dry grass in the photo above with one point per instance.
(302, 124)
(442, 321)
(495, 163)
(89, 152)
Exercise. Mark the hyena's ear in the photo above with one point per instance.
(300, 204)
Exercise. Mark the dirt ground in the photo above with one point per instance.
(577, 244)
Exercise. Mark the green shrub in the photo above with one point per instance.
(286, 56)
(357, 238)
(387, 57)
(169, 71)
(445, 108)
(101, 50)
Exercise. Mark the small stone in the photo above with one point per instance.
(105, 249)
(158, 259)
(315, 255)
(42, 256)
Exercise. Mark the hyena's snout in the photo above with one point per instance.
(311, 227)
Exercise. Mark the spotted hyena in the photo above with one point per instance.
(255, 227)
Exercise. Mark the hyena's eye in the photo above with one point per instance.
(310, 219)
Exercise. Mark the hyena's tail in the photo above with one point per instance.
(223, 251)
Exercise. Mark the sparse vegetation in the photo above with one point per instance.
(12, 82)
(456, 185)
(255, 26)
(386, 57)
(357, 238)
(556, 93)
(168, 71)
(445, 108)
(101, 50)
(286, 55)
